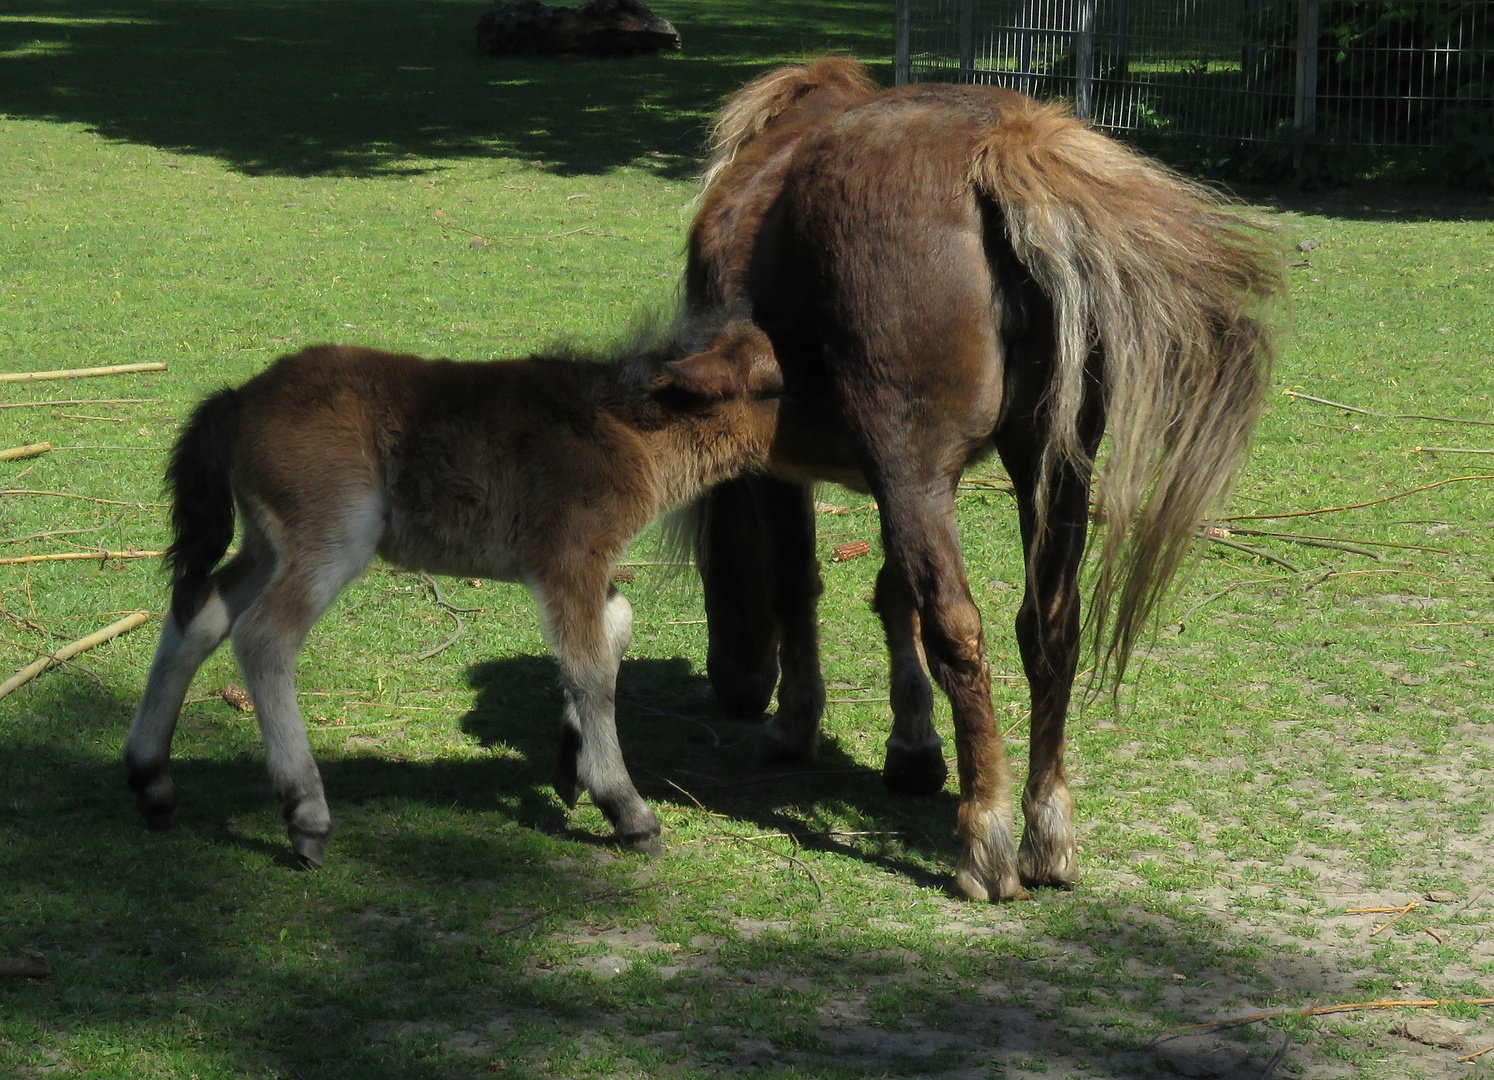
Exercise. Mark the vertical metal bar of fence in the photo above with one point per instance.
(1305, 117)
(1024, 48)
(1122, 40)
(1084, 57)
(902, 59)
(967, 40)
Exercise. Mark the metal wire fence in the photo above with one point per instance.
(1377, 73)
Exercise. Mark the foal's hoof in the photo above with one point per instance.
(651, 846)
(311, 850)
(919, 771)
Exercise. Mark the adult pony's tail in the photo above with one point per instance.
(1165, 283)
(202, 513)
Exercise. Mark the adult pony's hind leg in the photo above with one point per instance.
(182, 650)
(1048, 631)
(915, 753)
(589, 630)
(923, 548)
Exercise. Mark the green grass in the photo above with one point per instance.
(178, 183)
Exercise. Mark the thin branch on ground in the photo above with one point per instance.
(1342, 540)
(76, 556)
(83, 401)
(80, 373)
(1355, 506)
(1448, 450)
(86, 498)
(1385, 416)
(715, 738)
(452, 610)
(1260, 552)
(30, 450)
(64, 532)
(800, 863)
(67, 652)
(1324, 1010)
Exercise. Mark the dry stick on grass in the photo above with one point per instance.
(1341, 540)
(76, 556)
(84, 401)
(1476, 1054)
(1356, 506)
(1387, 416)
(64, 532)
(85, 498)
(67, 652)
(79, 373)
(1448, 450)
(1264, 554)
(800, 863)
(1323, 1010)
(715, 739)
(452, 610)
(20, 453)
(1404, 912)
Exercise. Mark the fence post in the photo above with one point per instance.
(1084, 57)
(967, 40)
(902, 60)
(1305, 119)
(1122, 40)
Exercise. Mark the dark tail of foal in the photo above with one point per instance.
(1166, 282)
(202, 514)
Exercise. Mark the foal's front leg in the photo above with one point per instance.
(589, 635)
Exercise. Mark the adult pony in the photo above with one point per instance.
(945, 271)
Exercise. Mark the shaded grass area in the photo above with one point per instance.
(1301, 744)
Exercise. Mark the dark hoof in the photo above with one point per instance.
(311, 850)
(651, 846)
(158, 820)
(744, 696)
(915, 772)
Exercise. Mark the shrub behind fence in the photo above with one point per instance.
(1361, 73)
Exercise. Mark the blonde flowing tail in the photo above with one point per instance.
(1166, 283)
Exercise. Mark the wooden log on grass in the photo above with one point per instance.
(19, 453)
(80, 556)
(67, 652)
(79, 373)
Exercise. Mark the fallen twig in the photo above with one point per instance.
(777, 776)
(1323, 1010)
(1476, 1054)
(1404, 912)
(1355, 506)
(1448, 450)
(64, 532)
(1340, 540)
(67, 652)
(73, 556)
(83, 401)
(1388, 416)
(451, 609)
(1261, 552)
(85, 498)
(800, 863)
(1438, 938)
(715, 739)
(20, 453)
(79, 373)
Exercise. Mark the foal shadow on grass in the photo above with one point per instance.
(679, 750)
(369, 87)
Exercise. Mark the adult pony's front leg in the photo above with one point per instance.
(923, 549)
(1048, 632)
(787, 511)
(590, 630)
(732, 554)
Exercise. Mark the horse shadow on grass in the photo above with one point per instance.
(414, 908)
(371, 87)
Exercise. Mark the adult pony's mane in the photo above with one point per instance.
(751, 108)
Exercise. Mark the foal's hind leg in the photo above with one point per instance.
(589, 635)
(267, 639)
(915, 753)
(1048, 629)
(147, 750)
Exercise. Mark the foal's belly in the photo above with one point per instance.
(420, 545)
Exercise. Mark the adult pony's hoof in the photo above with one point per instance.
(787, 740)
(987, 869)
(919, 771)
(1048, 857)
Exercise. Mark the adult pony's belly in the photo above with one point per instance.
(812, 444)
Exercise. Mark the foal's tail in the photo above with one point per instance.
(202, 513)
(1164, 282)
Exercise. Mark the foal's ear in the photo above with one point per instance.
(740, 361)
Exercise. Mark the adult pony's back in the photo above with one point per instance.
(945, 271)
